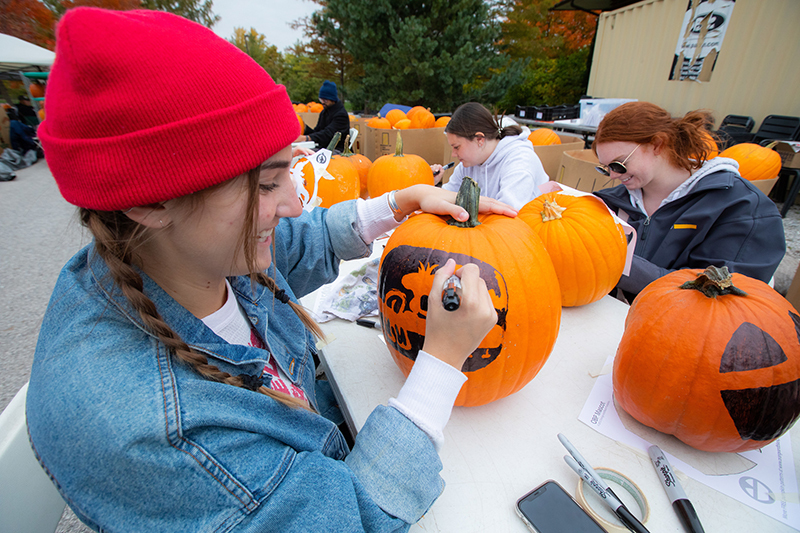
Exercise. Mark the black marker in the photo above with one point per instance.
(449, 165)
(367, 323)
(683, 507)
(451, 293)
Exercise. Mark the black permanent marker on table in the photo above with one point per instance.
(622, 512)
(451, 293)
(367, 323)
(683, 507)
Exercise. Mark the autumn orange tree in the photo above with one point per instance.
(557, 46)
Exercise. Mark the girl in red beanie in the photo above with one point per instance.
(173, 387)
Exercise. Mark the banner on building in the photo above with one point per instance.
(700, 40)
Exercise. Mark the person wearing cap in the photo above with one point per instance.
(333, 118)
(173, 385)
(499, 157)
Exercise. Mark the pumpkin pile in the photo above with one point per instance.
(712, 358)
(398, 171)
(517, 272)
(756, 162)
(585, 243)
(418, 117)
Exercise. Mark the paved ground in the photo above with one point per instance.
(40, 232)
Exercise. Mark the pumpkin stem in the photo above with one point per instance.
(551, 211)
(713, 282)
(334, 141)
(398, 152)
(468, 197)
(347, 151)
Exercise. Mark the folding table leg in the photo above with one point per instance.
(788, 202)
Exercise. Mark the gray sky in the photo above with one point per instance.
(269, 17)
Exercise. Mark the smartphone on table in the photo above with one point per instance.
(550, 509)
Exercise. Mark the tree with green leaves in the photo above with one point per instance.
(196, 10)
(436, 53)
(256, 46)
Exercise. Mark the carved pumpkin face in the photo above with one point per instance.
(404, 288)
(521, 281)
(721, 374)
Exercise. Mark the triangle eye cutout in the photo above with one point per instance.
(751, 348)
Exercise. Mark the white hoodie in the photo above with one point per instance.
(512, 174)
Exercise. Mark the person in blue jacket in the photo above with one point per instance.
(688, 211)
(173, 385)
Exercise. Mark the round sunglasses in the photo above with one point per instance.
(615, 166)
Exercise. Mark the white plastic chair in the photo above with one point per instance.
(29, 502)
(353, 135)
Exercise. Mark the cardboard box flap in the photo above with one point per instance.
(577, 170)
(430, 143)
(550, 155)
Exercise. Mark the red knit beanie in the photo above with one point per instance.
(145, 106)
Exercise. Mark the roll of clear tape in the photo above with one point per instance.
(627, 491)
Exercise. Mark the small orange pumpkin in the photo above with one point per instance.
(506, 250)
(544, 137)
(585, 243)
(36, 89)
(345, 184)
(755, 162)
(394, 115)
(315, 107)
(716, 367)
(414, 110)
(379, 122)
(302, 124)
(441, 122)
(301, 108)
(398, 171)
(403, 124)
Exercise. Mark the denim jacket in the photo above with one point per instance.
(137, 441)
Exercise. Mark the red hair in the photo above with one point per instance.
(683, 141)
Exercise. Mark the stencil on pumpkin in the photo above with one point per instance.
(750, 348)
(415, 268)
(746, 407)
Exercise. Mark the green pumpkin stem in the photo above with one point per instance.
(468, 197)
(335, 140)
(398, 152)
(551, 211)
(713, 282)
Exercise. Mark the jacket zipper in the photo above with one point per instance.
(646, 224)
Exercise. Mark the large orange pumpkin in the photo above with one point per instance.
(585, 243)
(342, 182)
(362, 164)
(402, 124)
(755, 162)
(544, 137)
(301, 108)
(422, 119)
(398, 171)
(414, 110)
(394, 115)
(517, 272)
(379, 122)
(717, 368)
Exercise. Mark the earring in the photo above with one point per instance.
(161, 222)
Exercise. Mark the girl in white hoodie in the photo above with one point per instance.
(499, 158)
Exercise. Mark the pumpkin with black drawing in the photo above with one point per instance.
(711, 358)
(517, 271)
(585, 243)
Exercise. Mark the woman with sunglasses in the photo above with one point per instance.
(688, 211)
(173, 386)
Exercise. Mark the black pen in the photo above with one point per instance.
(683, 507)
(367, 323)
(451, 164)
(451, 293)
(614, 503)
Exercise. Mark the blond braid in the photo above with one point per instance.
(115, 237)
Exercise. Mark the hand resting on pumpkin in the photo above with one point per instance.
(451, 336)
(434, 200)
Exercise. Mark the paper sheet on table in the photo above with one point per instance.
(769, 486)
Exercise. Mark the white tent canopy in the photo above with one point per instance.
(16, 55)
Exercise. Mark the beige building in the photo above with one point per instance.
(757, 68)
